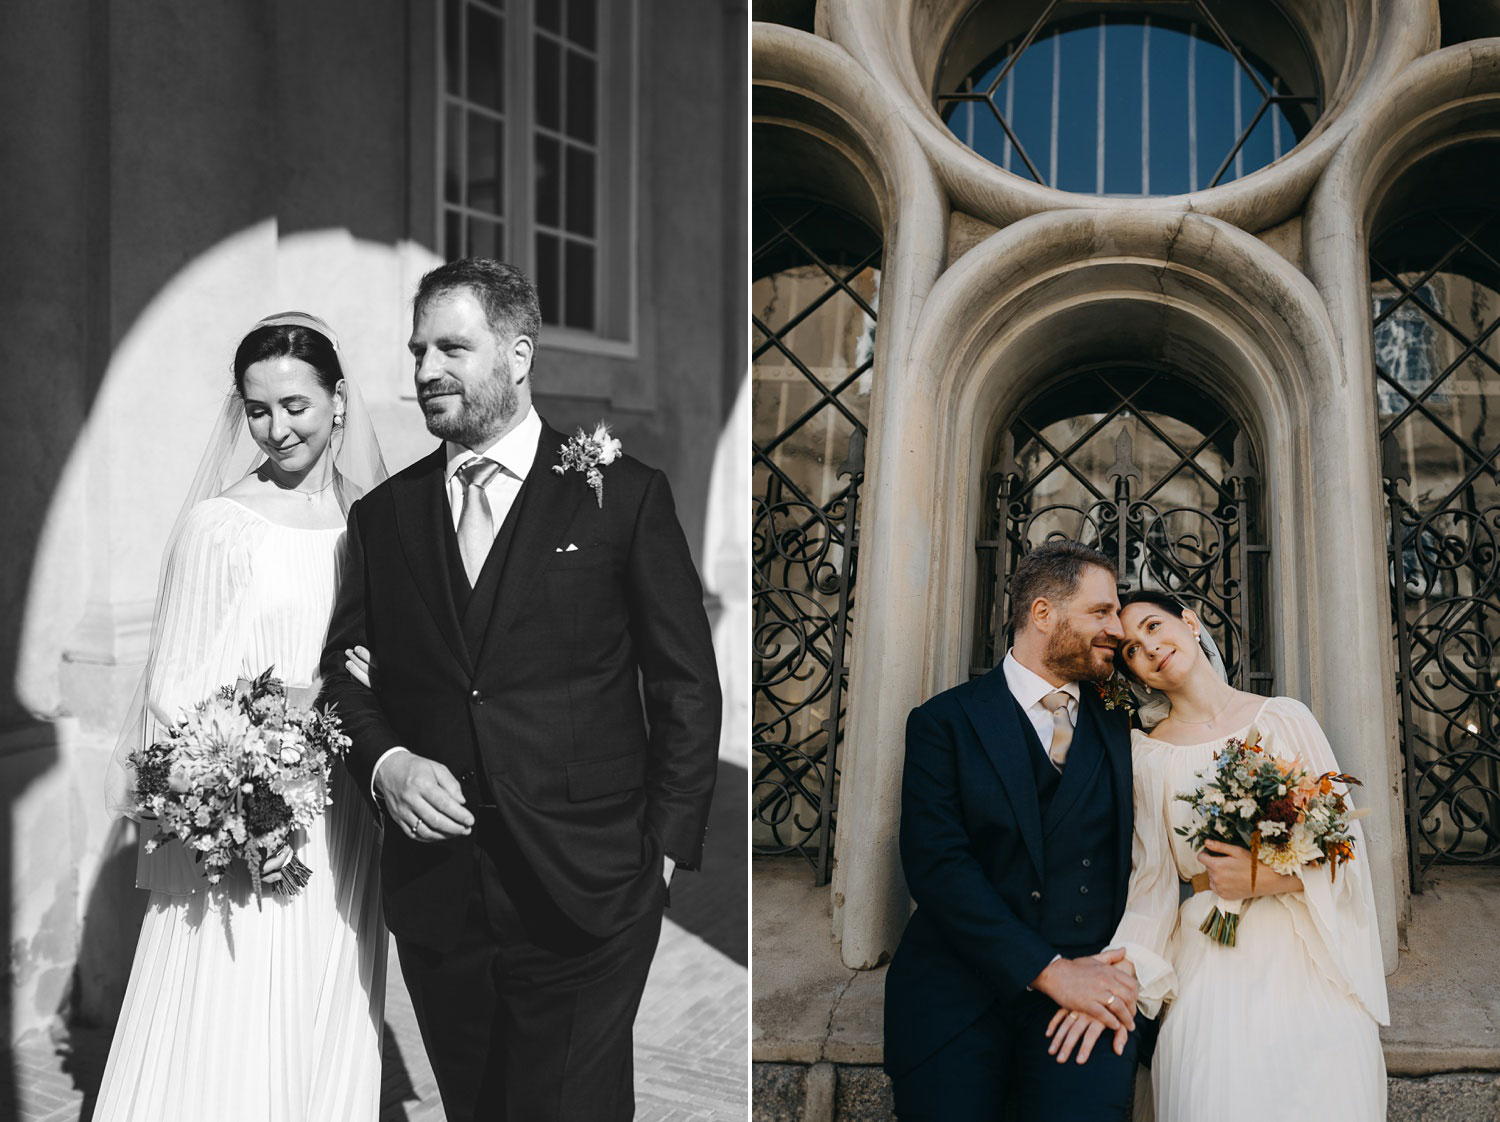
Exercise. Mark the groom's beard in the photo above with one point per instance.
(1072, 656)
(487, 408)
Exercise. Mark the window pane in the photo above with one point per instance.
(583, 23)
(484, 238)
(453, 145)
(583, 96)
(486, 164)
(580, 180)
(549, 15)
(548, 289)
(453, 235)
(578, 274)
(452, 42)
(548, 83)
(1125, 101)
(486, 49)
(548, 181)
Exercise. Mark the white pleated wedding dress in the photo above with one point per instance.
(1285, 1023)
(252, 1014)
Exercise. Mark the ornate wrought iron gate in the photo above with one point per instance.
(815, 293)
(1436, 302)
(1145, 467)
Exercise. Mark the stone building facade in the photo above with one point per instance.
(1209, 285)
(174, 171)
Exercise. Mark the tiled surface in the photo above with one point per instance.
(692, 1033)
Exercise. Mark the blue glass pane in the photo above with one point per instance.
(1174, 104)
(1026, 95)
(1216, 74)
(1078, 111)
(1167, 155)
(1122, 110)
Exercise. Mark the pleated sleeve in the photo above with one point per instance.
(1338, 924)
(1151, 903)
(196, 646)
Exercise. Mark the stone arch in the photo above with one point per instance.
(1437, 104)
(821, 104)
(1360, 45)
(1055, 290)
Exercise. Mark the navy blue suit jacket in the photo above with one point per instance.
(971, 849)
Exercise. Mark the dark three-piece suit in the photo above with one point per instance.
(572, 690)
(1010, 862)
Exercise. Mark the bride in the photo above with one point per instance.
(1284, 1023)
(238, 1011)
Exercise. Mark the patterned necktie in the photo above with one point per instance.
(476, 528)
(1056, 703)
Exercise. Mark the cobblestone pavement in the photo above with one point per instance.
(692, 1048)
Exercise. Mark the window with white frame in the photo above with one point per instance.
(536, 153)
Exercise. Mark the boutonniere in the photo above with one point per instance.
(1115, 694)
(588, 452)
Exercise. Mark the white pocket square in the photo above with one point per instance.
(571, 548)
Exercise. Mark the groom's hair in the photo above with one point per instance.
(504, 292)
(1051, 571)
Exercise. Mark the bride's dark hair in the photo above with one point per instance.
(285, 340)
(1161, 600)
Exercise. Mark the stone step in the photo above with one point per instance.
(828, 1092)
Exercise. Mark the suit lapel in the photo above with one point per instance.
(1114, 734)
(548, 502)
(422, 521)
(991, 709)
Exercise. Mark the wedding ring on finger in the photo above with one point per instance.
(1072, 1016)
(1110, 1002)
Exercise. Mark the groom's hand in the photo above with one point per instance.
(1095, 986)
(422, 798)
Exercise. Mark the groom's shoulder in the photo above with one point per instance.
(953, 699)
(378, 497)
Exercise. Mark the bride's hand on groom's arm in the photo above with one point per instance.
(359, 662)
(1097, 986)
(1228, 868)
(422, 797)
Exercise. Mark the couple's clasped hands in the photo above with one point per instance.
(1094, 995)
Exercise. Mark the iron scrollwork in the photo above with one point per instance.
(1206, 553)
(814, 362)
(1434, 284)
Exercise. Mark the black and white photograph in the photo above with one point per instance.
(374, 718)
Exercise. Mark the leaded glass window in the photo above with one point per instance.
(1128, 99)
(537, 115)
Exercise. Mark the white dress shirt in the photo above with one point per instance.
(515, 452)
(1029, 688)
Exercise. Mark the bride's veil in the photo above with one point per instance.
(231, 455)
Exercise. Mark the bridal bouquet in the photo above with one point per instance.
(234, 779)
(1285, 816)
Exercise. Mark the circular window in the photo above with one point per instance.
(1115, 98)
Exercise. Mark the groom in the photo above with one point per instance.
(542, 729)
(1015, 841)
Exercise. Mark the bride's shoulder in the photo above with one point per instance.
(216, 520)
(1288, 712)
(1288, 707)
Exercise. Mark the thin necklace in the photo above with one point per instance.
(308, 495)
(1211, 720)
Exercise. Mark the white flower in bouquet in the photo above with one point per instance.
(238, 777)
